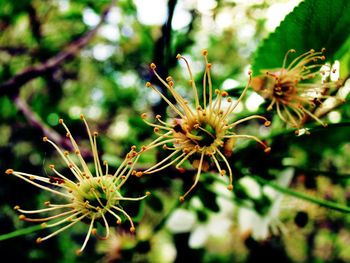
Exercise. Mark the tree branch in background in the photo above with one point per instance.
(35, 23)
(36, 122)
(12, 86)
(162, 56)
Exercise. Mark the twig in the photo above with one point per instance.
(35, 23)
(12, 86)
(36, 122)
(20, 232)
(321, 202)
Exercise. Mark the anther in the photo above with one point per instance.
(119, 222)
(230, 187)
(67, 134)
(52, 166)
(60, 121)
(38, 240)
(178, 56)
(148, 84)
(144, 115)
(9, 171)
(204, 52)
(168, 79)
(82, 116)
(224, 94)
(16, 207)
(132, 229)
(153, 66)
(267, 123)
(323, 50)
(47, 203)
(77, 152)
(182, 199)
(181, 170)
(43, 225)
(66, 153)
(22, 217)
(95, 134)
(45, 139)
(148, 193)
(267, 150)
(139, 174)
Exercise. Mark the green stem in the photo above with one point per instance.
(288, 191)
(20, 232)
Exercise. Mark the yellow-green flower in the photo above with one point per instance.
(294, 89)
(89, 197)
(201, 132)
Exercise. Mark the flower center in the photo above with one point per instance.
(96, 195)
(203, 135)
(284, 90)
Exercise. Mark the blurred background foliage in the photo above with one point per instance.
(61, 58)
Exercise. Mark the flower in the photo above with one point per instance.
(290, 90)
(202, 133)
(89, 197)
(258, 225)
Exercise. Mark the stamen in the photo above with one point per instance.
(182, 198)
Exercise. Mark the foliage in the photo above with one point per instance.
(64, 58)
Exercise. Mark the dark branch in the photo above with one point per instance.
(36, 122)
(12, 86)
(35, 23)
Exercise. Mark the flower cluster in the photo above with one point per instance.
(201, 132)
(290, 89)
(89, 196)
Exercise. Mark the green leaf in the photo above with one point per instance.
(311, 25)
(155, 202)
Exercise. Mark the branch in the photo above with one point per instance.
(35, 23)
(12, 86)
(36, 122)
(321, 202)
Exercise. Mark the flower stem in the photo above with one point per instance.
(288, 191)
(20, 232)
